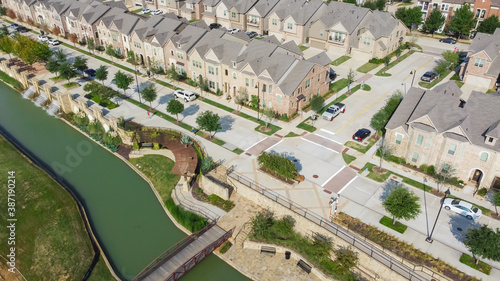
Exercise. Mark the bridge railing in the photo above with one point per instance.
(172, 251)
(402, 267)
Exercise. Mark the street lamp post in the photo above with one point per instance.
(258, 101)
(137, 83)
(414, 71)
(425, 206)
(404, 84)
(429, 239)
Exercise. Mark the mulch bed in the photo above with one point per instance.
(272, 174)
(124, 150)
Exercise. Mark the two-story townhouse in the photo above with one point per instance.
(237, 13)
(482, 67)
(223, 16)
(356, 31)
(115, 28)
(88, 20)
(257, 16)
(484, 9)
(444, 128)
(209, 14)
(170, 6)
(179, 45)
(192, 9)
(25, 11)
(71, 17)
(291, 19)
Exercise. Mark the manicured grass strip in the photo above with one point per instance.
(367, 67)
(216, 104)
(168, 85)
(460, 84)
(399, 227)
(340, 60)
(136, 11)
(274, 128)
(375, 176)
(291, 135)
(428, 85)
(49, 224)
(470, 261)
(392, 64)
(306, 127)
(358, 87)
(490, 91)
(348, 158)
(303, 48)
(359, 147)
(55, 79)
(70, 84)
(238, 151)
(225, 247)
(12, 81)
(338, 85)
(218, 142)
(98, 57)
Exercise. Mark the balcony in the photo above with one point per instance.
(253, 22)
(336, 40)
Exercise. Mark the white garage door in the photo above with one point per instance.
(478, 81)
(360, 55)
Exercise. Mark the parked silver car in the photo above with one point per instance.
(463, 208)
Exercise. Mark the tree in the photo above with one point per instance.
(380, 119)
(462, 21)
(434, 22)
(56, 30)
(240, 98)
(398, 53)
(496, 200)
(91, 44)
(4, 31)
(148, 93)
(3, 11)
(489, 25)
(60, 55)
(41, 52)
(409, 16)
(80, 64)
(101, 74)
(317, 103)
(402, 204)
(67, 71)
(123, 81)
(384, 151)
(346, 258)
(374, 4)
(483, 242)
(444, 175)
(350, 78)
(73, 38)
(441, 67)
(175, 107)
(53, 66)
(451, 58)
(269, 115)
(7, 45)
(110, 51)
(172, 73)
(209, 122)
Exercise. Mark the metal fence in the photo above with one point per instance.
(194, 207)
(407, 269)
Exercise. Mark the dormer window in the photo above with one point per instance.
(234, 64)
(462, 104)
(178, 45)
(490, 140)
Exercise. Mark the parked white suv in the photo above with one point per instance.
(42, 38)
(185, 94)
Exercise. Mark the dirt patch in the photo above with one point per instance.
(379, 170)
(264, 129)
(124, 150)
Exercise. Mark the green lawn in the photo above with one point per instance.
(12, 81)
(57, 78)
(359, 147)
(99, 57)
(303, 48)
(470, 261)
(338, 85)
(348, 158)
(357, 87)
(306, 127)
(291, 135)
(70, 85)
(51, 239)
(375, 176)
(490, 91)
(392, 64)
(367, 67)
(137, 11)
(168, 85)
(105, 103)
(399, 227)
(459, 83)
(238, 151)
(340, 60)
(218, 142)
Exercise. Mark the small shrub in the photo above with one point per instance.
(135, 146)
(155, 135)
(219, 92)
(482, 192)
(156, 146)
(225, 247)
(278, 163)
(100, 48)
(284, 117)
(111, 138)
(207, 164)
(95, 128)
(96, 137)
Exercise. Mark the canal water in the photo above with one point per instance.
(126, 217)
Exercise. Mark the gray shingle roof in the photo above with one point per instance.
(243, 6)
(300, 10)
(347, 14)
(263, 7)
(321, 59)
(490, 44)
(476, 120)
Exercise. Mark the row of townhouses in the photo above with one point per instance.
(272, 68)
(482, 9)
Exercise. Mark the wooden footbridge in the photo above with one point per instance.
(180, 258)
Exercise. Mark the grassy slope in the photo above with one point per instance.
(51, 240)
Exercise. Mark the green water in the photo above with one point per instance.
(126, 217)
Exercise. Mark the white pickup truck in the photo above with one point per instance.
(333, 110)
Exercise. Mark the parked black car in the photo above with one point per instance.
(22, 29)
(332, 75)
(89, 72)
(252, 34)
(361, 134)
(214, 25)
(429, 76)
(448, 40)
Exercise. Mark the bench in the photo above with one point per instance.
(270, 250)
(147, 144)
(302, 264)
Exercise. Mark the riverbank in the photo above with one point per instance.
(51, 240)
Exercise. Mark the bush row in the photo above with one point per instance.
(189, 220)
(278, 163)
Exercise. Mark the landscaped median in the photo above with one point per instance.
(362, 148)
(340, 60)
(382, 72)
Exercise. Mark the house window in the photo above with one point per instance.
(479, 62)
(263, 103)
(399, 138)
(452, 148)
(414, 158)
(247, 82)
(114, 38)
(154, 51)
(337, 37)
(278, 99)
(483, 12)
(211, 84)
(444, 7)
(270, 88)
(225, 12)
(172, 52)
(234, 75)
(478, 12)
(233, 14)
(253, 83)
(275, 22)
(226, 72)
(211, 70)
(263, 88)
(367, 41)
(290, 25)
(321, 32)
(254, 20)
(420, 139)
(484, 156)
(319, 77)
(308, 83)
(446, 168)
(180, 55)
